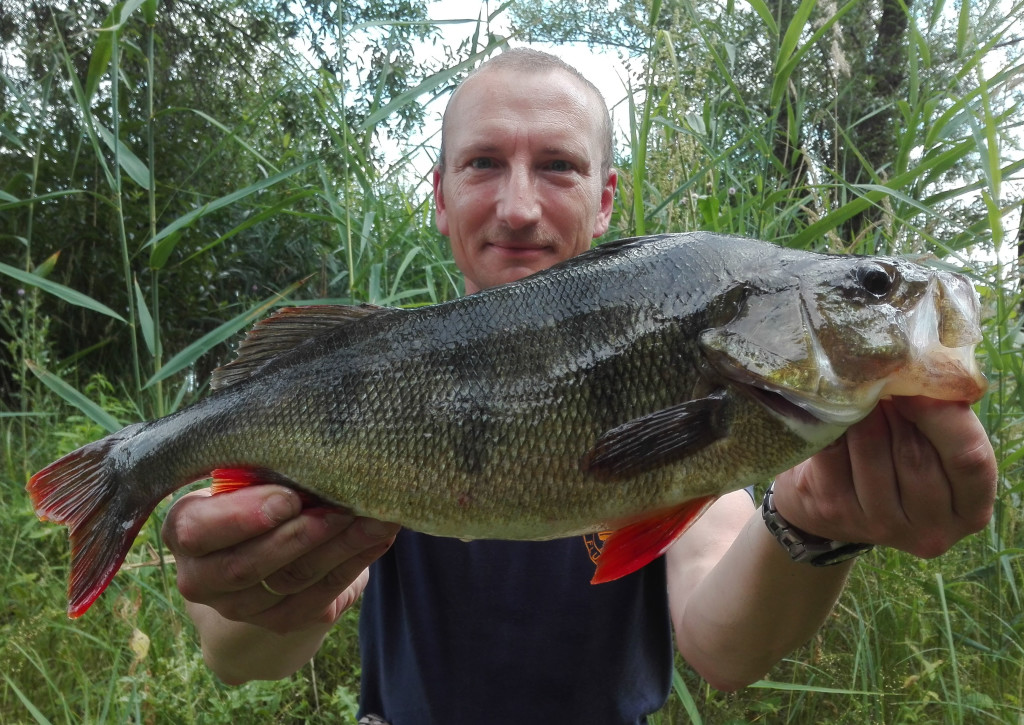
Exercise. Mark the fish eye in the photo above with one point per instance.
(876, 279)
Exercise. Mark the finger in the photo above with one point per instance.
(330, 594)
(334, 564)
(201, 523)
(874, 476)
(312, 606)
(207, 579)
(964, 452)
(921, 479)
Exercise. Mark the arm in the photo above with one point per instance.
(917, 475)
(226, 545)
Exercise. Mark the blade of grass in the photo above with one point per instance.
(683, 693)
(67, 294)
(76, 398)
(32, 709)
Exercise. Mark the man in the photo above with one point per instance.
(510, 631)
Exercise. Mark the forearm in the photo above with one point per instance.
(753, 608)
(238, 652)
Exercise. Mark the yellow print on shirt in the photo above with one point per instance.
(594, 543)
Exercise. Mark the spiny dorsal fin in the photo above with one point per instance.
(283, 331)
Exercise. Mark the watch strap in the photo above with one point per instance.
(802, 546)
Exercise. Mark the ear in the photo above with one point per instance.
(440, 208)
(604, 212)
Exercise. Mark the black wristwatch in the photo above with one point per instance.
(800, 545)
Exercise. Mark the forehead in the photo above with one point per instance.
(494, 107)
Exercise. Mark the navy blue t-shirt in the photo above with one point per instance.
(497, 632)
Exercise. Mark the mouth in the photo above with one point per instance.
(782, 406)
(814, 425)
(518, 251)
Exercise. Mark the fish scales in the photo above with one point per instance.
(628, 382)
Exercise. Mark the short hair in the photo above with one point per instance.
(529, 60)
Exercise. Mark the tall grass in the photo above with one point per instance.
(911, 640)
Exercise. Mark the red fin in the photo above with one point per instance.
(102, 514)
(226, 480)
(638, 544)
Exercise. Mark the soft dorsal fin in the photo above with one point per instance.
(283, 331)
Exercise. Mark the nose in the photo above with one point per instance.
(518, 202)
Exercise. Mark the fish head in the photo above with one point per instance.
(822, 338)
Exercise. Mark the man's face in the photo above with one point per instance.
(522, 187)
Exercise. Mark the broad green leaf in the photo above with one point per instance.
(99, 61)
(58, 290)
(761, 8)
(406, 261)
(76, 398)
(268, 213)
(131, 163)
(796, 28)
(655, 12)
(150, 334)
(101, 52)
(47, 265)
(14, 202)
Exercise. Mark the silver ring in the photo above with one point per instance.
(263, 583)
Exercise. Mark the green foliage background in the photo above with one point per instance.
(170, 171)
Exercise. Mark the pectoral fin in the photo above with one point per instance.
(636, 545)
(657, 439)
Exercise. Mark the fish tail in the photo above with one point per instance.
(102, 513)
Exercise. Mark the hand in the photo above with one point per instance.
(917, 474)
(317, 558)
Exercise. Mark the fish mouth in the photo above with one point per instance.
(818, 425)
(782, 406)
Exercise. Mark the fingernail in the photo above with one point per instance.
(377, 529)
(338, 520)
(279, 507)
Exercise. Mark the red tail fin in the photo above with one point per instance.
(101, 514)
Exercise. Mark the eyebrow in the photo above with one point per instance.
(572, 151)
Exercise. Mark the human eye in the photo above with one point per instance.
(481, 163)
(560, 165)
